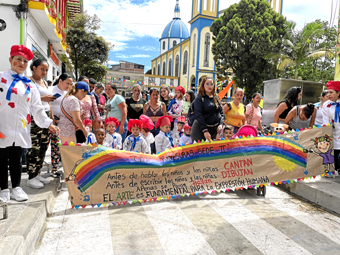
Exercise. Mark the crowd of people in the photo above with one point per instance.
(150, 122)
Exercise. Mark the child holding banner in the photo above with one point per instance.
(164, 140)
(178, 132)
(147, 126)
(135, 142)
(112, 138)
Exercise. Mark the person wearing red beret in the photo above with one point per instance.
(163, 140)
(19, 99)
(91, 138)
(112, 139)
(331, 114)
(147, 126)
(135, 142)
(186, 137)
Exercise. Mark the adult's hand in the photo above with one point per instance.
(121, 128)
(207, 136)
(219, 129)
(48, 98)
(85, 133)
(54, 129)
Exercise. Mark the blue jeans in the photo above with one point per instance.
(125, 131)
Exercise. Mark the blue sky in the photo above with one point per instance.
(135, 26)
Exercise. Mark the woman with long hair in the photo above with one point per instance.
(116, 108)
(165, 95)
(208, 112)
(59, 89)
(291, 99)
(301, 116)
(319, 118)
(40, 136)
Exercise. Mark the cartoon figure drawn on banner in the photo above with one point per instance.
(323, 148)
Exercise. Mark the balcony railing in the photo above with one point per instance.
(51, 6)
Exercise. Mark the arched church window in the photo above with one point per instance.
(164, 68)
(164, 45)
(159, 69)
(206, 49)
(154, 70)
(170, 67)
(194, 51)
(174, 43)
(185, 62)
(177, 65)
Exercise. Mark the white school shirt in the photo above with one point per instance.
(16, 113)
(176, 136)
(162, 142)
(149, 139)
(328, 112)
(56, 103)
(111, 142)
(141, 145)
(43, 91)
(184, 140)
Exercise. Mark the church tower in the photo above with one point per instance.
(201, 63)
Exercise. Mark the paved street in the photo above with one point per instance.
(232, 223)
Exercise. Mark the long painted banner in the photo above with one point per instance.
(100, 175)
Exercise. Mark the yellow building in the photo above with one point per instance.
(186, 58)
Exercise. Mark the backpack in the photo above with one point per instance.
(191, 113)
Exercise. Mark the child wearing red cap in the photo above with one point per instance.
(18, 101)
(331, 114)
(178, 131)
(186, 137)
(147, 126)
(91, 138)
(112, 138)
(176, 106)
(163, 140)
(135, 142)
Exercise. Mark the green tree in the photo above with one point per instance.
(94, 70)
(87, 50)
(243, 36)
(311, 46)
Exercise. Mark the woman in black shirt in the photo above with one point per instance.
(290, 100)
(165, 97)
(135, 103)
(208, 112)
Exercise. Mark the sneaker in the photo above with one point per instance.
(18, 194)
(55, 174)
(43, 180)
(4, 194)
(336, 173)
(35, 183)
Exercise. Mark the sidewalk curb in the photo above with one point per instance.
(24, 233)
(322, 192)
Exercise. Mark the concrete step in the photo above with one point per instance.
(321, 191)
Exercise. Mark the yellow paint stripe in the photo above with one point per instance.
(42, 7)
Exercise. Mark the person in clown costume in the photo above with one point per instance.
(19, 99)
(331, 114)
(163, 140)
(135, 142)
(112, 139)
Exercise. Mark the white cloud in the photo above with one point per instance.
(146, 48)
(111, 62)
(140, 56)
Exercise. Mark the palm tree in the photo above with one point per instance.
(298, 47)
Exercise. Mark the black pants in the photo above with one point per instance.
(80, 136)
(35, 156)
(10, 156)
(197, 134)
(336, 160)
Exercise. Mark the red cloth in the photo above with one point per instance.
(180, 89)
(21, 50)
(87, 122)
(335, 85)
(186, 126)
(134, 123)
(113, 120)
(164, 120)
(146, 122)
(181, 119)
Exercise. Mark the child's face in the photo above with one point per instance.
(135, 131)
(100, 135)
(180, 126)
(228, 134)
(166, 128)
(178, 94)
(89, 126)
(187, 131)
(111, 128)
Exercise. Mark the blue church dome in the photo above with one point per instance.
(175, 29)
